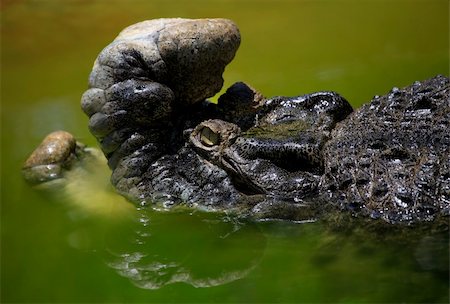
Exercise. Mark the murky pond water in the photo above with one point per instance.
(86, 244)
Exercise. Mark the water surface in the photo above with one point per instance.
(87, 245)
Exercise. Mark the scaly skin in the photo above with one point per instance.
(391, 158)
(280, 157)
(289, 158)
(345, 171)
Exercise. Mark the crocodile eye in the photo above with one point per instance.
(208, 137)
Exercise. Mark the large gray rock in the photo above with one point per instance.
(188, 56)
(149, 85)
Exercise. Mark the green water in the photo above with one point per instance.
(86, 244)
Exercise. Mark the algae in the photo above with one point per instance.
(277, 131)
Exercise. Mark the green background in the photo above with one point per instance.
(53, 252)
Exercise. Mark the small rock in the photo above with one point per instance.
(55, 148)
(55, 153)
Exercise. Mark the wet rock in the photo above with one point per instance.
(146, 88)
(56, 152)
(188, 56)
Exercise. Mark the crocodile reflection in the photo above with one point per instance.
(202, 250)
(150, 248)
(154, 249)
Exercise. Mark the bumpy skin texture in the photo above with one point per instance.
(288, 158)
(281, 155)
(390, 159)
(279, 159)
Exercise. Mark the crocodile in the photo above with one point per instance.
(292, 158)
